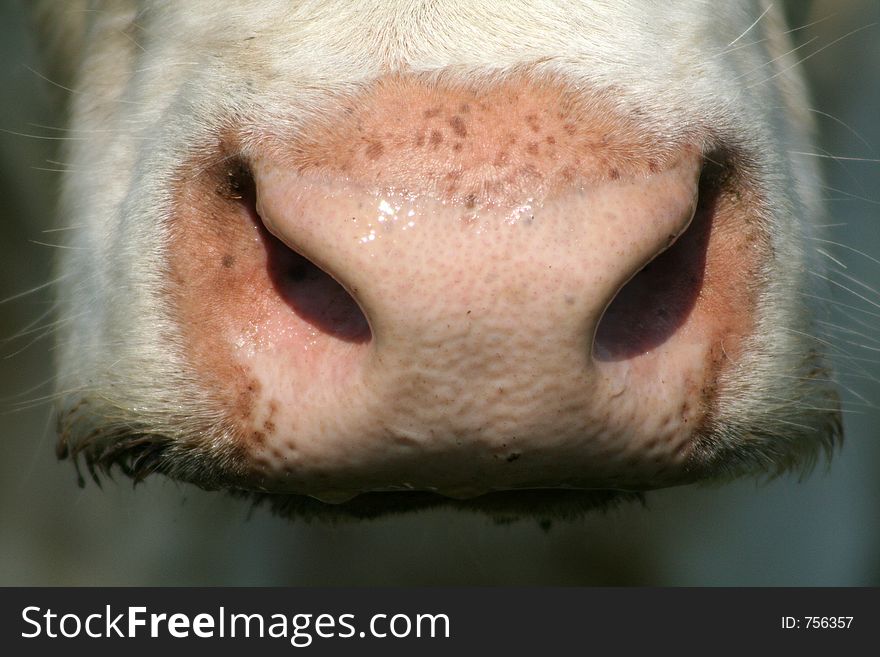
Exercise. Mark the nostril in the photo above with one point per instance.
(657, 301)
(315, 296)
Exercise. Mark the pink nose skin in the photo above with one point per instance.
(407, 329)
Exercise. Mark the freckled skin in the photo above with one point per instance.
(374, 150)
(455, 241)
(459, 128)
(502, 142)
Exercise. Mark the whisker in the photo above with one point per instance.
(813, 54)
(752, 26)
(36, 288)
(840, 158)
(58, 246)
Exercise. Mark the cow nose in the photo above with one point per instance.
(429, 298)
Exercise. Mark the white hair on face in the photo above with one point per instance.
(158, 79)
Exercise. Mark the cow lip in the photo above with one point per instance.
(541, 504)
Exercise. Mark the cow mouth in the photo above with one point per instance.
(543, 505)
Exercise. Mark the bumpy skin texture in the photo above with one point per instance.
(365, 257)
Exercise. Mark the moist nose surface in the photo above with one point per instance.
(448, 255)
(481, 319)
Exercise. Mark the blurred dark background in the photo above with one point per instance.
(822, 531)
